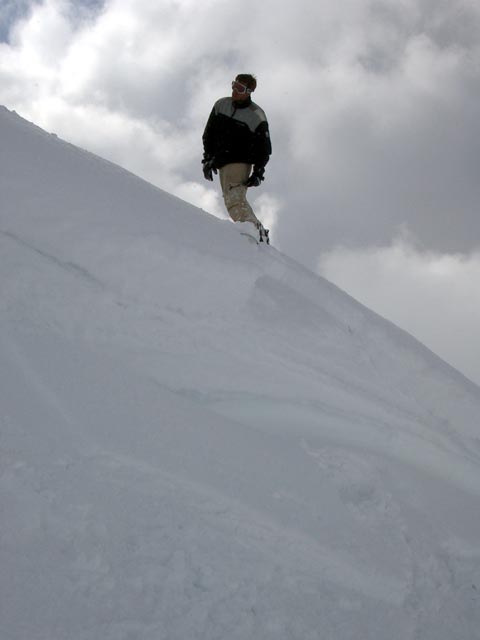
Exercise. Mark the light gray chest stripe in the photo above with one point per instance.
(252, 116)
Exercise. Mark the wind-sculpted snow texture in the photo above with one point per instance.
(200, 439)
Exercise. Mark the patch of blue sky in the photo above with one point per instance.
(11, 11)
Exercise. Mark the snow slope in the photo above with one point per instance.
(200, 439)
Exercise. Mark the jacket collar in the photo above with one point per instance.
(242, 104)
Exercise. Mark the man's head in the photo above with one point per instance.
(243, 85)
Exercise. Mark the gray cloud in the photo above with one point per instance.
(435, 296)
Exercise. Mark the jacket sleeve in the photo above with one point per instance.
(209, 135)
(263, 145)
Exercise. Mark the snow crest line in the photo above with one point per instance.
(71, 267)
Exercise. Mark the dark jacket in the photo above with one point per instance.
(237, 132)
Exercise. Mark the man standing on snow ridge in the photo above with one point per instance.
(235, 138)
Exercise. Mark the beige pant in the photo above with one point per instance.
(232, 180)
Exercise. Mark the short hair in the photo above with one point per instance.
(248, 80)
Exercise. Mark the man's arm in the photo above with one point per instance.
(262, 151)
(209, 136)
(263, 144)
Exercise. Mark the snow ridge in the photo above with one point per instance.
(202, 439)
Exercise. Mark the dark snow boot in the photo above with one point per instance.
(263, 233)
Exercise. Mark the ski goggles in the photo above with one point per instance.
(240, 88)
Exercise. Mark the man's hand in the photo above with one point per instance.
(208, 168)
(256, 178)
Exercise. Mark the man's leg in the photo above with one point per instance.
(232, 179)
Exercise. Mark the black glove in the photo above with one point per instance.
(256, 178)
(209, 168)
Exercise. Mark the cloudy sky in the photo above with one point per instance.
(374, 114)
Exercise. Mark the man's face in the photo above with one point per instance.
(239, 91)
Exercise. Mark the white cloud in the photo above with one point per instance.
(42, 38)
(267, 207)
(205, 198)
(434, 296)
